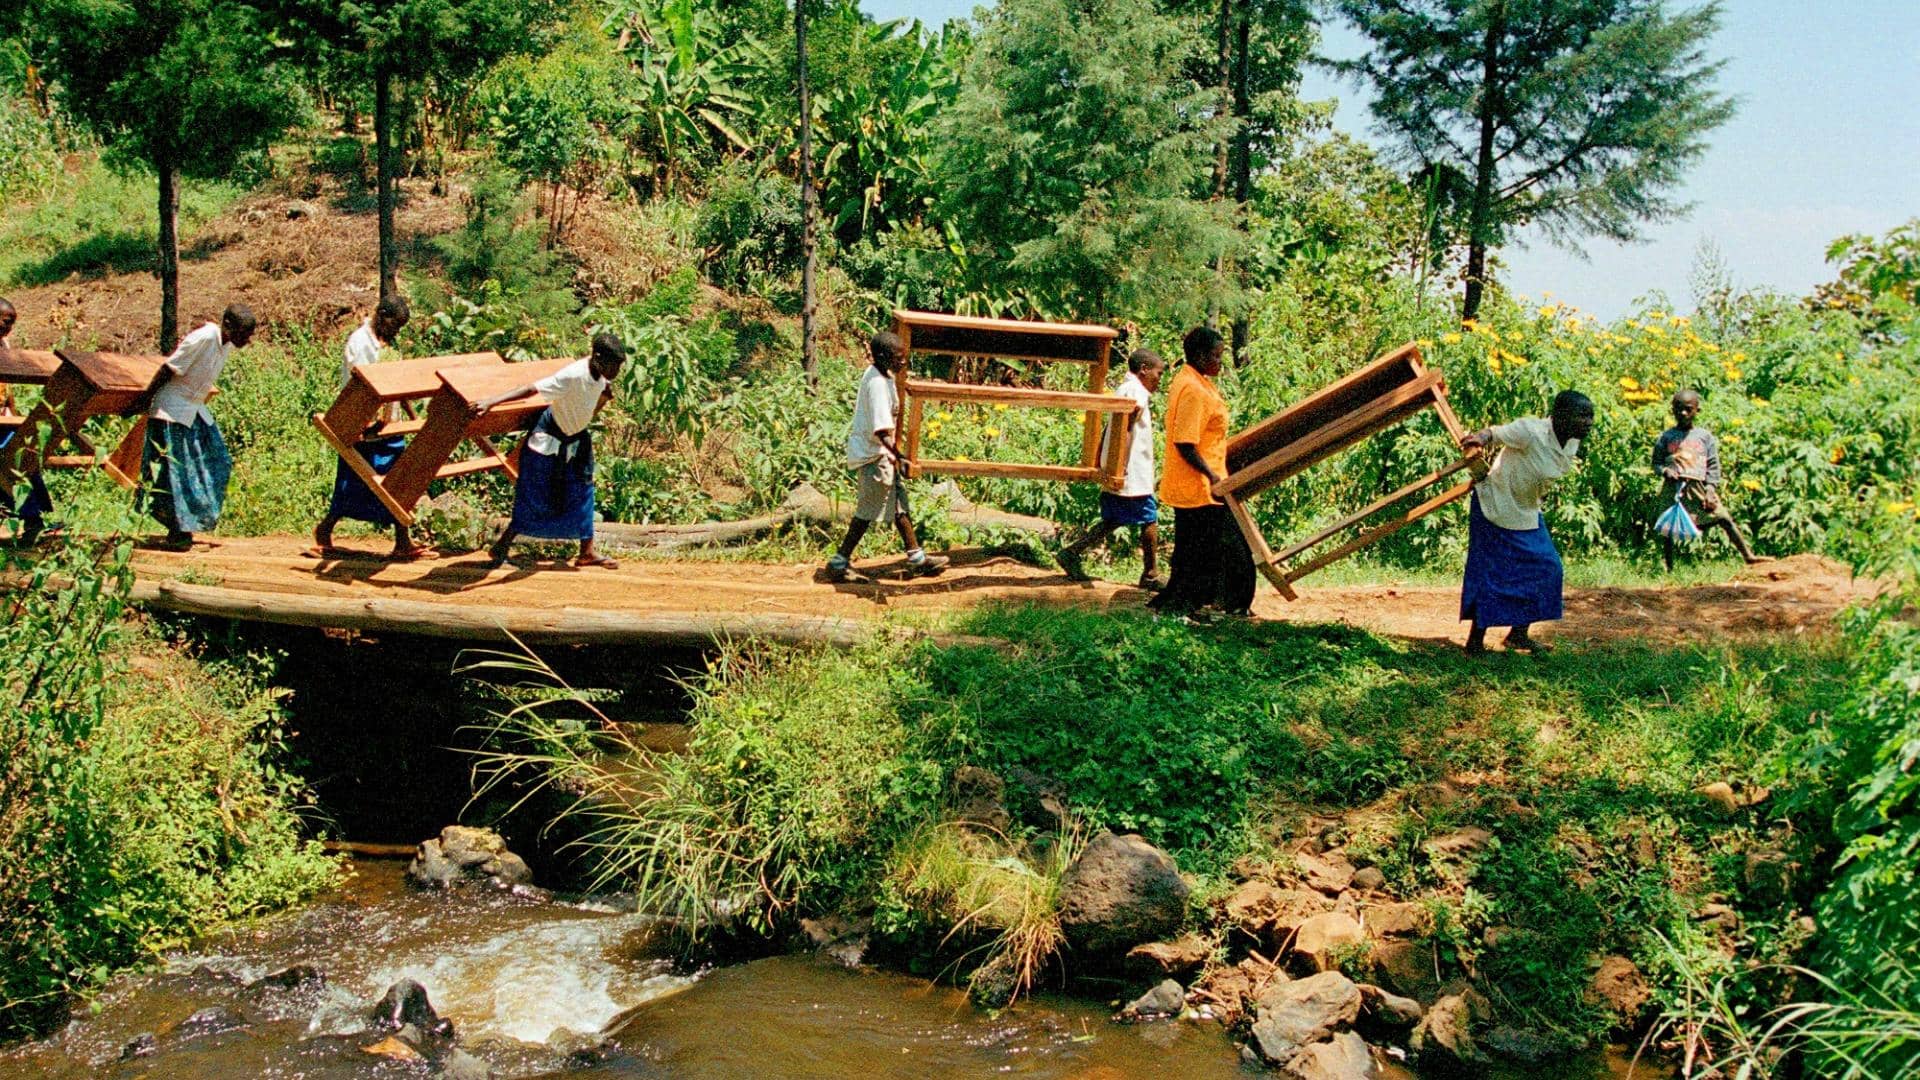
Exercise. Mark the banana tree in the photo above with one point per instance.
(689, 99)
(877, 169)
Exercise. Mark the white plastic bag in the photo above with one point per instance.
(1676, 524)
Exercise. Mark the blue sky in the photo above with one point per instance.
(1827, 142)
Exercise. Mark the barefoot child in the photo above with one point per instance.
(351, 496)
(1514, 575)
(875, 458)
(1133, 503)
(33, 509)
(553, 499)
(185, 465)
(1687, 458)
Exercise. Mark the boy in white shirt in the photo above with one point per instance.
(351, 496)
(185, 465)
(33, 509)
(1514, 576)
(875, 459)
(1133, 502)
(554, 496)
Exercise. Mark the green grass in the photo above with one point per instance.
(98, 222)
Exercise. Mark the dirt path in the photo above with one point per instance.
(1793, 595)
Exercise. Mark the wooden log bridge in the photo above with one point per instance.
(1378, 396)
(1009, 339)
(78, 387)
(381, 401)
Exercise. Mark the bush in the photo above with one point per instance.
(140, 803)
(749, 226)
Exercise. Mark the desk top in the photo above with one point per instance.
(471, 384)
(402, 379)
(114, 371)
(32, 367)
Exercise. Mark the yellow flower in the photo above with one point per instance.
(1516, 360)
(1738, 421)
(961, 457)
(1750, 484)
(1853, 380)
(1839, 454)
(1472, 325)
(993, 433)
(1760, 402)
(1901, 507)
(1549, 310)
(1739, 358)
(943, 416)
(1731, 440)
(1000, 407)
(1628, 382)
(1425, 343)
(1656, 314)
(1449, 339)
(1592, 351)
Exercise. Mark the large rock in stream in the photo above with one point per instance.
(460, 855)
(1121, 892)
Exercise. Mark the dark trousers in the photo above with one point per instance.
(1211, 563)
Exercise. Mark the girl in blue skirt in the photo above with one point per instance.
(352, 498)
(185, 465)
(1514, 575)
(553, 499)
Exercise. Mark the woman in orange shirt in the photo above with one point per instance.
(1211, 564)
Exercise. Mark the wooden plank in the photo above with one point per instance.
(1330, 438)
(118, 379)
(909, 318)
(1026, 397)
(916, 413)
(450, 422)
(469, 466)
(1009, 470)
(124, 463)
(392, 428)
(1257, 546)
(1371, 509)
(1096, 384)
(27, 367)
(1381, 532)
(1119, 447)
(471, 384)
(1343, 396)
(397, 380)
(363, 469)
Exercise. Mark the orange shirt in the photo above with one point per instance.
(1197, 414)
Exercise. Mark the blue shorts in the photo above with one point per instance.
(1128, 509)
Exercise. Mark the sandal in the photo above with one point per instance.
(584, 562)
(417, 552)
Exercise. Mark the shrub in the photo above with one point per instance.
(139, 804)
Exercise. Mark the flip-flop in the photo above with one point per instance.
(316, 551)
(597, 560)
(416, 553)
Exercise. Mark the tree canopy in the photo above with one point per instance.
(1576, 117)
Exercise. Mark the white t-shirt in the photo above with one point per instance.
(1139, 475)
(874, 410)
(574, 394)
(1531, 459)
(363, 347)
(196, 365)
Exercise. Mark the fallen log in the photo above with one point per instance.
(547, 626)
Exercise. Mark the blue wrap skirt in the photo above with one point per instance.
(553, 499)
(183, 474)
(352, 498)
(1514, 576)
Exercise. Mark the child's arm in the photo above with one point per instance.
(479, 408)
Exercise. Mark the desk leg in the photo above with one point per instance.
(374, 481)
(1257, 544)
(124, 463)
(420, 462)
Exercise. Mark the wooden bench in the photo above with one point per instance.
(450, 422)
(82, 386)
(1371, 400)
(21, 367)
(962, 335)
(380, 401)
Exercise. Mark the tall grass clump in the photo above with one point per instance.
(799, 767)
(141, 796)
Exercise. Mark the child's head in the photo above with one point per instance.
(7, 316)
(1572, 415)
(1686, 406)
(1147, 366)
(609, 354)
(887, 350)
(390, 317)
(1203, 346)
(237, 325)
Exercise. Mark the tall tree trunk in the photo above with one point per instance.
(1480, 224)
(1222, 78)
(1241, 164)
(807, 207)
(169, 249)
(383, 168)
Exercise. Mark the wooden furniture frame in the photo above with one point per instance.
(379, 401)
(962, 335)
(450, 422)
(1365, 403)
(82, 386)
(21, 367)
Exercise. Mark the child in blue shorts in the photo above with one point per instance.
(1133, 503)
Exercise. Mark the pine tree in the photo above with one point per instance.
(1578, 117)
(175, 86)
